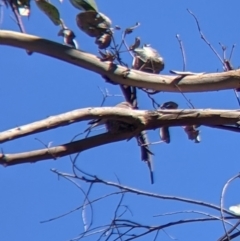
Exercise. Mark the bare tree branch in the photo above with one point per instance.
(190, 83)
(88, 178)
(141, 119)
(62, 150)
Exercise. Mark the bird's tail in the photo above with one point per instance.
(146, 154)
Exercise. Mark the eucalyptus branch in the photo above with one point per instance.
(62, 150)
(116, 73)
(142, 119)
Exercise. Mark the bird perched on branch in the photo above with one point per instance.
(164, 131)
(147, 60)
(191, 130)
(113, 125)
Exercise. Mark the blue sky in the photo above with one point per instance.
(35, 87)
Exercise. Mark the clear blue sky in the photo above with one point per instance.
(35, 87)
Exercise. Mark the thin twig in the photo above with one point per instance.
(231, 53)
(229, 231)
(79, 207)
(222, 202)
(204, 38)
(95, 179)
(194, 211)
(182, 51)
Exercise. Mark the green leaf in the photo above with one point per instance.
(50, 10)
(93, 23)
(93, 4)
(85, 5)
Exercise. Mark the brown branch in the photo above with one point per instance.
(142, 119)
(61, 150)
(191, 83)
(68, 118)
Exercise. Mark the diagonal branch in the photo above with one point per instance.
(117, 74)
(141, 119)
(61, 150)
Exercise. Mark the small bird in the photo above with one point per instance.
(113, 125)
(146, 153)
(164, 131)
(191, 130)
(147, 59)
(117, 126)
(170, 105)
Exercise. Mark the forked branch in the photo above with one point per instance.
(140, 119)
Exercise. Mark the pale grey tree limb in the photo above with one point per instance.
(140, 119)
(119, 74)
